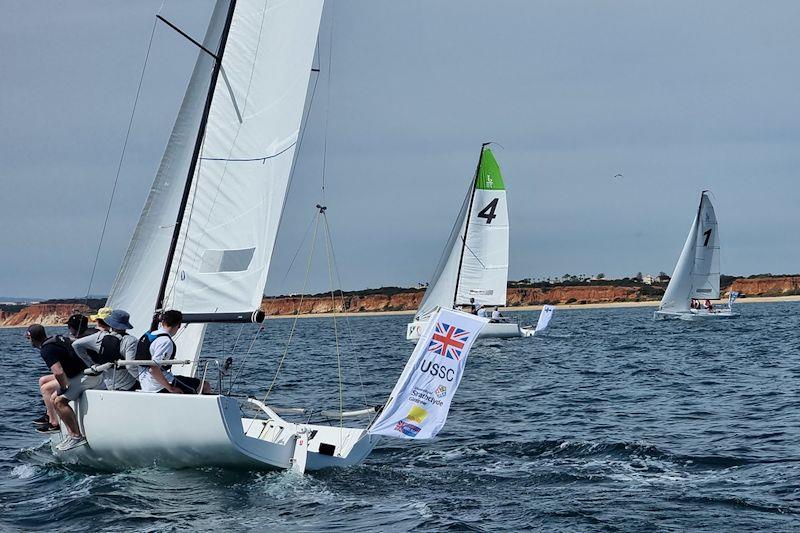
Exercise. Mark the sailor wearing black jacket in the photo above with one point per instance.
(77, 324)
(68, 369)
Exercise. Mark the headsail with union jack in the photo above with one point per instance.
(420, 400)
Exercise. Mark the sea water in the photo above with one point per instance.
(609, 421)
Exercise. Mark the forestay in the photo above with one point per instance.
(420, 401)
(234, 206)
(474, 264)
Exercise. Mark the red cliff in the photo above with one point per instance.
(574, 294)
(45, 314)
(777, 286)
(409, 301)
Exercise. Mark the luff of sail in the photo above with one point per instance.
(239, 186)
(696, 273)
(474, 263)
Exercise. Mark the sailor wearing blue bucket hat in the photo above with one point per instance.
(111, 344)
(120, 345)
(119, 320)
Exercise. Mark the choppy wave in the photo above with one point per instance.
(610, 421)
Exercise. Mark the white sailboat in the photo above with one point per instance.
(473, 269)
(696, 275)
(203, 245)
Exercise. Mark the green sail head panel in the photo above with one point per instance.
(489, 177)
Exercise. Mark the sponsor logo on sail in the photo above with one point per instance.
(417, 414)
(481, 292)
(425, 397)
(441, 391)
(407, 429)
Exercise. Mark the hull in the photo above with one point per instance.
(497, 330)
(694, 315)
(133, 429)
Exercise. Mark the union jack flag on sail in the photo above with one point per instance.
(410, 414)
(448, 341)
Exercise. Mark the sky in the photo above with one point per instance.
(675, 96)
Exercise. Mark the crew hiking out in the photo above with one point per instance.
(68, 369)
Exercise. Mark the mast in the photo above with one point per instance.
(466, 226)
(195, 157)
(700, 205)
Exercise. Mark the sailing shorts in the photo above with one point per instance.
(80, 383)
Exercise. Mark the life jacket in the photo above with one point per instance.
(76, 364)
(109, 349)
(61, 341)
(143, 346)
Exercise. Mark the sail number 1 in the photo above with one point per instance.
(488, 211)
(707, 233)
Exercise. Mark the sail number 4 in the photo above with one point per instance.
(488, 211)
(707, 233)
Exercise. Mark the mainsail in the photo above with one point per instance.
(696, 274)
(234, 145)
(474, 264)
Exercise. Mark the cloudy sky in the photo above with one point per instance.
(676, 96)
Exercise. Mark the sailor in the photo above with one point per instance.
(98, 320)
(707, 305)
(120, 322)
(109, 344)
(100, 317)
(162, 349)
(473, 306)
(68, 369)
(496, 316)
(482, 312)
(77, 325)
(88, 347)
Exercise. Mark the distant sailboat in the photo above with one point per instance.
(203, 245)
(473, 269)
(696, 275)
